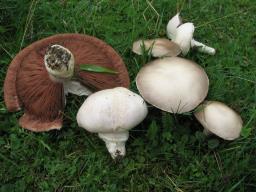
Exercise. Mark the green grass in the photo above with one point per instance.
(164, 153)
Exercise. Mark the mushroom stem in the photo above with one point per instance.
(207, 132)
(75, 87)
(59, 63)
(115, 143)
(58, 79)
(202, 47)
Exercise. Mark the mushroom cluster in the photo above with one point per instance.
(42, 74)
(178, 85)
(182, 40)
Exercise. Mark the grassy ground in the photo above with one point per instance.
(164, 153)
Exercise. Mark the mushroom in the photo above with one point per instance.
(112, 113)
(173, 84)
(159, 47)
(219, 119)
(182, 34)
(40, 75)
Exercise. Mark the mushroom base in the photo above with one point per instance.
(202, 47)
(115, 143)
(59, 79)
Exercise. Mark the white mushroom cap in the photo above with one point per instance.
(172, 26)
(183, 37)
(173, 84)
(111, 110)
(157, 47)
(219, 119)
(112, 113)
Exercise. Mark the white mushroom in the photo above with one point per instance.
(219, 119)
(182, 34)
(157, 47)
(112, 113)
(173, 84)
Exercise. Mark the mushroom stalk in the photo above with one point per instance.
(202, 47)
(59, 62)
(75, 87)
(115, 143)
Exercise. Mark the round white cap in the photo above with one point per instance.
(220, 120)
(112, 110)
(173, 84)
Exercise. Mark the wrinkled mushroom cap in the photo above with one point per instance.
(173, 84)
(28, 85)
(111, 110)
(220, 120)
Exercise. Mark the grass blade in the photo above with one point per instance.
(97, 69)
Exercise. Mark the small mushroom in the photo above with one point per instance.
(157, 47)
(112, 113)
(172, 26)
(219, 119)
(182, 34)
(173, 84)
(41, 74)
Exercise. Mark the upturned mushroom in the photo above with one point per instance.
(41, 74)
(112, 113)
(219, 119)
(173, 84)
(159, 47)
(182, 34)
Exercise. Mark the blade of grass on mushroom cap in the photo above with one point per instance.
(97, 69)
